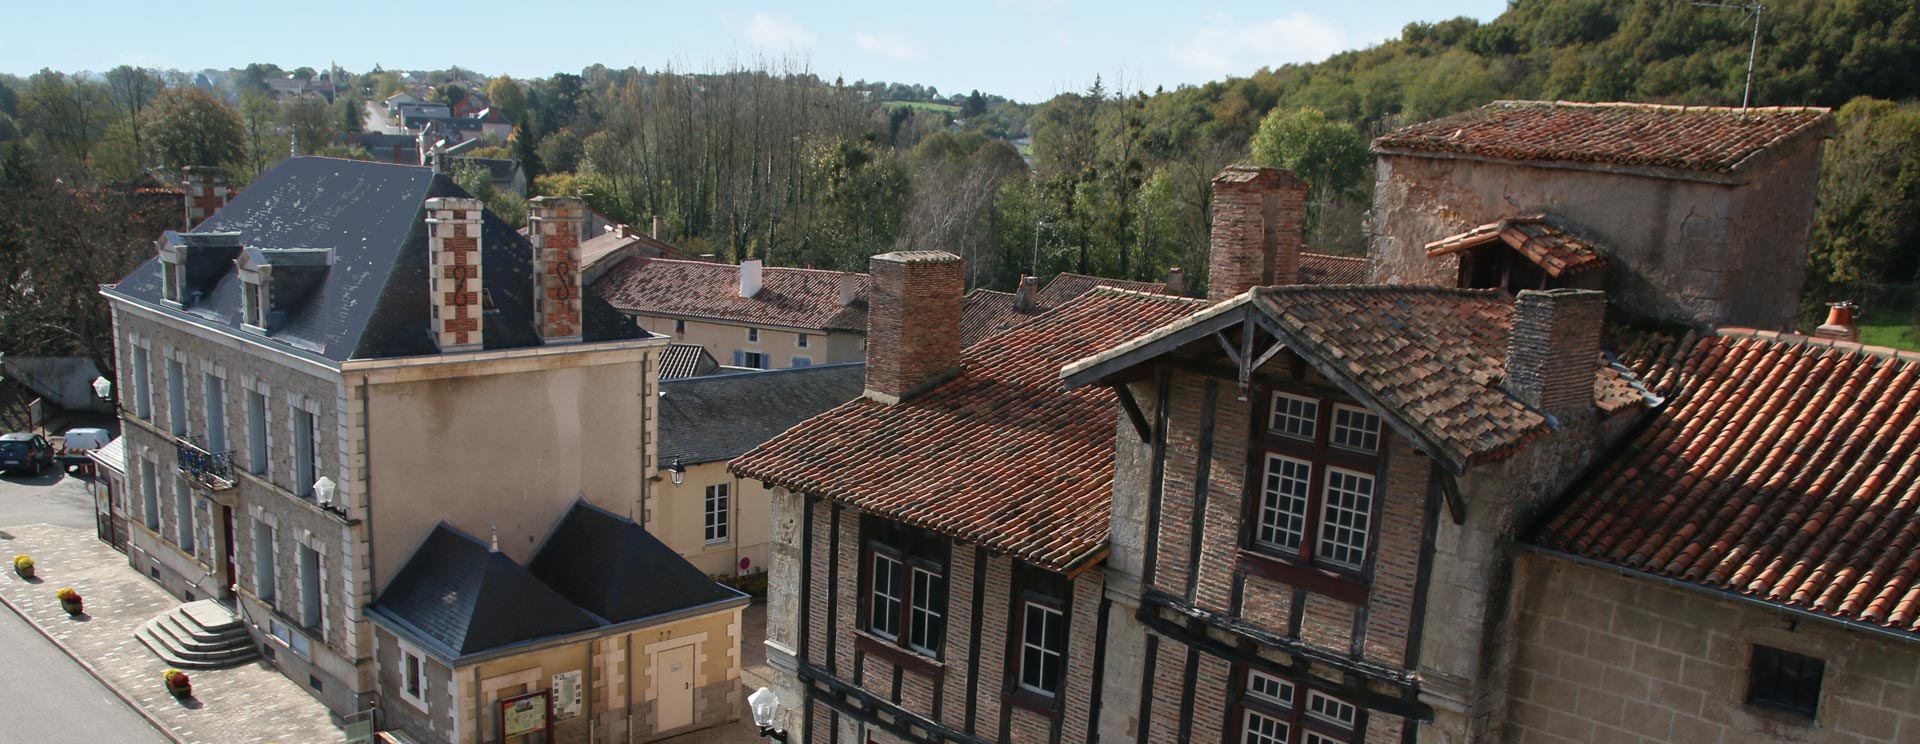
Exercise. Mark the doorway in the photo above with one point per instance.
(233, 578)
(675, 686)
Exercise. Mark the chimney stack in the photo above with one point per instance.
(206, 192)
(1555, 350)
(1176, 280)
(1025, 297)
(453, 258)
(849, 289)
(1259, 222)
(750, 277)
(656, 227)
(556, 222)
(913, 322)
(1840, 325)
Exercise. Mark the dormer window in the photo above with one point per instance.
(172, 278)
(1519, 253)
(252, 298)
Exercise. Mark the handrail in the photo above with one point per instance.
(213, 470)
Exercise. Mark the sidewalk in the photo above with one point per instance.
(245, 704)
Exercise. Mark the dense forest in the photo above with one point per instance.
(778, 163)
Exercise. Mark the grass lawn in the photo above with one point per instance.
(1889, 327)
(947, 107)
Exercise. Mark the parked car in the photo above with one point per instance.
(21, 451)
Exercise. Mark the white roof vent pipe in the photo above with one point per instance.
(749, 277)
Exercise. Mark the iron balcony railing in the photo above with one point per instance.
(212, 470)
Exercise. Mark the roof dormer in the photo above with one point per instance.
(276, 281)
(191, 263)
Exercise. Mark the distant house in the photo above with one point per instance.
(493, 123)
(506, 173)
(617, 242)
(395, 101)
(747, 315)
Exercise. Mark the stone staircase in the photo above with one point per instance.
(198, 635)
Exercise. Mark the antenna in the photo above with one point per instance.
(1753, 51)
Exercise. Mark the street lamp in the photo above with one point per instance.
(323, 490)
(677, 472)
(765, 705)
(103, 387)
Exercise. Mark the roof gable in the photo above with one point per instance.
(618, 571)
(465, 598)
(1554, 249)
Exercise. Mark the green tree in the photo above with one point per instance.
(1330, 156)
(507, 96)
(561, 151)
(187, 126)
(1867, 228)
(134, 88)
(67, 114)
(450, 94)
(313, 126)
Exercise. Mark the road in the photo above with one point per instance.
(376, 119)
(45, 695)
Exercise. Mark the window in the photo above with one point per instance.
(310, 588)
(1785, 681)
(263, 567)
(1317, 483)
(251, 301)
(679, 326)
(753, 335)
(884, 620)
(719, 513)
(749, 359)
(800, 340)
(1269, 713)
(1043, 643)
(170, 280)
(176, 398)
(150, 493)
(183, 515)
(906, 586)
(257, 432)
(142, 383)
(802, 362)
(305, 463)
(927, 627)
(413, 676)
(216, 403)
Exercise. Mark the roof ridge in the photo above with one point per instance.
(684, 381)
(720, 265)
(1383, 289)
(1649, 106)
(1786, 339)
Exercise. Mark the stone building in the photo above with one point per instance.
(1693, 210)
(316, 378)
(746, 316)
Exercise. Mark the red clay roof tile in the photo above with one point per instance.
(795, 298)
(1547, 245)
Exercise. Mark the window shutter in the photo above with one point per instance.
(739, 358)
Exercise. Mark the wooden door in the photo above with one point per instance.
(675, 687)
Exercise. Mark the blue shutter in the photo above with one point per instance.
(802, 362)
(739, 358)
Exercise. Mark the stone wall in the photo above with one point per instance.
(1607, 656)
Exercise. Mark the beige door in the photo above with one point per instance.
(675, 684)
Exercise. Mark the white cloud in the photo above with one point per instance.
(1225, 46)
(892, 45)
(778, 32)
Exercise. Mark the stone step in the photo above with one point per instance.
(179, 658)
(211, 617)
(185, 637)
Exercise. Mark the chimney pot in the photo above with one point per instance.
(555, 226)
(656, 227)
(750, 277)
(1554, 350)
(1259, 220)
(1027, 295)
(913, 322)
(206, 192)
(1176, 281)
(1840, 324)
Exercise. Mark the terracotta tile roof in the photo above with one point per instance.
(986, 312)
(1433, 358)
(1065, 287)
(1553, 248)
(1689, 138)
(1325, 268)
(1001, 456)
(599, 247)
(795, 298)
(1785, 469)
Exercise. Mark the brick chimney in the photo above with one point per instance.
(913, 322)
(1176, 280)
(1840, 324)
(1027, 294)
(206, 188)
(750, 277)
(1555, 350)
(453, 256)
(556, 224)
(1259, 222)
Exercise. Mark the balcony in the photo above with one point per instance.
(213, 471)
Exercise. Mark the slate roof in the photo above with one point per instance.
(461, 598)
(1000, 456)
(614, 569)
(1431, 357)
(686, 360)
(788, 297)
(1704, 139)
(1783, 469)
(720, 417)
(1553, 248)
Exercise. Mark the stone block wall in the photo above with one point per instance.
(1606, 656)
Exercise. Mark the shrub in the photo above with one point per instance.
(22, 563)
(175, 678)
(67, 594)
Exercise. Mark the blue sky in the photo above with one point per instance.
(1026, 49)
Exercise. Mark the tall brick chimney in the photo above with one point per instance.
(1555, 350)
(1176, 280)
(556, 224)
(913, 322)
(206, 188)
(1259, 223)
(453, 257)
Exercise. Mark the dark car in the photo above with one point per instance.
(29, 452)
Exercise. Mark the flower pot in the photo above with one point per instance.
(72, 606)
(181, 691)
(25, 571)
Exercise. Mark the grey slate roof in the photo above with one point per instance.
(720, 417)
(686, 360)
(613, 568)
(460, 598)
(372, 302)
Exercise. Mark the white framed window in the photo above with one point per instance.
(749, 359)
(252, 302)
(1294, 416)
(1043, 646)
(1265, 729)
(306, 455)
(1355, 428)
(719, 512)
(171, 273)
(215, 397)
(294, 640)
(176, 398)
(265, 584)
(1270, 688)
(800, 340)
(1345, 518)
(413, 675)
(1331, 709)
(929, 597)
(884, 606)
(1283, 503)
(143, 382)
(257, 460)
(753, 335)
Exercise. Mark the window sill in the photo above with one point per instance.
(1339, 586)
(1033, 702)
(872, 644)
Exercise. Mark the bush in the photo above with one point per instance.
(754, 584)
(22, 563)
(67, 594)
(175, 678)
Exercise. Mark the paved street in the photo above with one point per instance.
(49, 499)
(48, 697)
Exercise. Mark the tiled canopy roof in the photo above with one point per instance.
(1432, 358)
(1001, 456)
(795, 298)
(686, 360)
(1784, 469)
(986, 312)
(1556, 250)
(1689, 138)
(1324, 268)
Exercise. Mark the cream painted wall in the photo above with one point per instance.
(680, 519)
(505, 444)
(781, 345)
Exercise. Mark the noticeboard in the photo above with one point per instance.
(526, 714)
